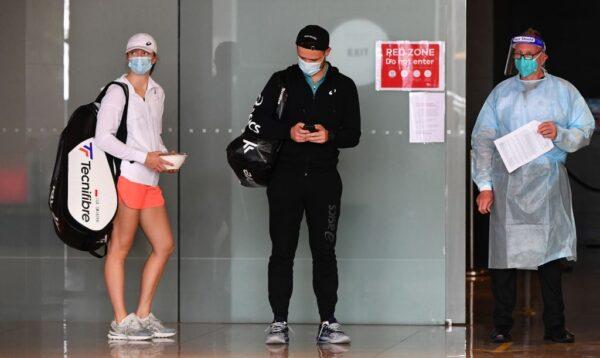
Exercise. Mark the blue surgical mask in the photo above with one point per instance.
(526, 67)
(140, 65)
(309, 68)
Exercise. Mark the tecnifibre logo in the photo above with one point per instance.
(248, 146)
(88, 150)
(91, 193)
(86, 193)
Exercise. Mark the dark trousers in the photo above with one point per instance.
(290, 195)
(504, 288)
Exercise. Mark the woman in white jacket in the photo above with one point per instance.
(141, 202)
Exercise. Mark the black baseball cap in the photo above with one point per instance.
(313, 37)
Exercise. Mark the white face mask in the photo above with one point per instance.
(309, 68)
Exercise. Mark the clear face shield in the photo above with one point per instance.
(509, 68)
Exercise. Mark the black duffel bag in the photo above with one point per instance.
(83, 194)
(253, 158)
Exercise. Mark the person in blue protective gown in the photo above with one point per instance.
(531, 216)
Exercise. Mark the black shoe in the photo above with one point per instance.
(563, 336)
(499, 336)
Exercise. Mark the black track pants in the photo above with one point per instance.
(290, 195)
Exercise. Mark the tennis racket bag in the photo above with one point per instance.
(83, 196)
(253, 158)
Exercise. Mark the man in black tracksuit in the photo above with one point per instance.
(321, 115)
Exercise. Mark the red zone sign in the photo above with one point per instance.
(410, 65)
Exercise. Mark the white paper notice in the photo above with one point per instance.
(522, 146)
(426, 113)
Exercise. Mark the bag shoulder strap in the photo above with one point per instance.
(122, 130)
(282, 93)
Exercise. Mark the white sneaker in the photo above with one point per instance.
(154, 325)
(129, 329)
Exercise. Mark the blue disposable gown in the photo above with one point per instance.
(531, 219)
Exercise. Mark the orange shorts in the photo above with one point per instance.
(139, 196)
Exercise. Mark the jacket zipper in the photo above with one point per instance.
(314, 98)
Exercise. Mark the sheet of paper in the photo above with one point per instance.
(522, 146)
(426, 113)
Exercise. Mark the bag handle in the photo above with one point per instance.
(96, 254)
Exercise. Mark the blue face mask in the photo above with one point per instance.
(140, 65)
(526, 67)
(309, 68)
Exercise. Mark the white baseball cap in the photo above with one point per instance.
(142, 41)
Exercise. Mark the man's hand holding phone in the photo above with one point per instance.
(318, 134)
(298, 133)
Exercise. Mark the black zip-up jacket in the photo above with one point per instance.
(334, 106)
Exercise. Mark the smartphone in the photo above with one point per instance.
(310, 127)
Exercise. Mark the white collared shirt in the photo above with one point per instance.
(144, 127)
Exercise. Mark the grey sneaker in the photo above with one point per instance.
(277, 333)
(154, 325)
(129, 329)
(332, 333)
